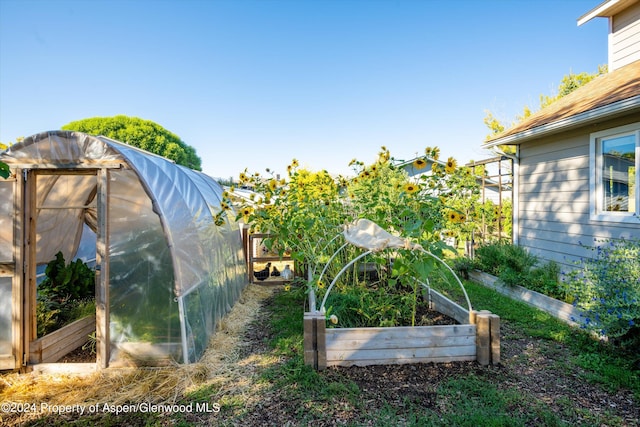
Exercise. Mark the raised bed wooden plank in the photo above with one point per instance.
(444, 305)
(369, 362)
(402, 331)
(452, 341)
(401, 337)
(391, 356)
(558, 309)
(57, 344)
(399, 345)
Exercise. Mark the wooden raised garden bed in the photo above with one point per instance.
(476, 338)
(57, 344)
(558, 309)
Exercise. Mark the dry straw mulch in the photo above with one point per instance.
(222, 368)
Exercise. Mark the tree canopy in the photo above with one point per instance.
(140, 133)
(568, 84)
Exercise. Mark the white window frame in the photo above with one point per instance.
(595, 181)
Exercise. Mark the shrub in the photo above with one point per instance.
(66, 294)
(515, 266)
(510, 263)
(606, 287)
(74, 281)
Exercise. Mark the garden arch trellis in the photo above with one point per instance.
(166, 272)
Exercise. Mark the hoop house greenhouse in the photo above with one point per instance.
(164, 271)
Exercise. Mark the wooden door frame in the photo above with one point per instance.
(27, 277)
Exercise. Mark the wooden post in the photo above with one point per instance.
(483, 338)
(29, 332)
(494, 332)
(321, 341)
(18, 284)
(309, 341)
(315, 342)
(102, 274)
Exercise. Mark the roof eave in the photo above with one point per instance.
(605, 10)
(607, 111)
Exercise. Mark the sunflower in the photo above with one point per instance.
(287, 288)
(225, 206)
(453, 216)
(289, 169)
(273, 184)
(243, 177)
(320, 285)
(294, 163)
(434, 168)
(419, 164)
(246, 211)
(411, 188)
(451, 165)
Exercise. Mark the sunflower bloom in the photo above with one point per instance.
(225, 206)
(246, 211)
(453, 216)
(419, 164)
(243, 177)
(273, 184)
(451, 165)
(287, 288)
(411, 188)
(320, 285)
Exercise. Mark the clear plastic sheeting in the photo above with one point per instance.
(172, 272)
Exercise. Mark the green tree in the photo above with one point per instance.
(568, 84)
(4, 168)
(140, 133)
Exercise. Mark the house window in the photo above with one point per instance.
(615, 159)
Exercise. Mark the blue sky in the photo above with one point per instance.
(253, 84)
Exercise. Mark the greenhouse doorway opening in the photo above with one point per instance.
(62, 265)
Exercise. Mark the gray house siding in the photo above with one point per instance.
(624, 42)
(554, 197)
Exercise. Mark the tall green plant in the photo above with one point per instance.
(65, 288)
(306, 213)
